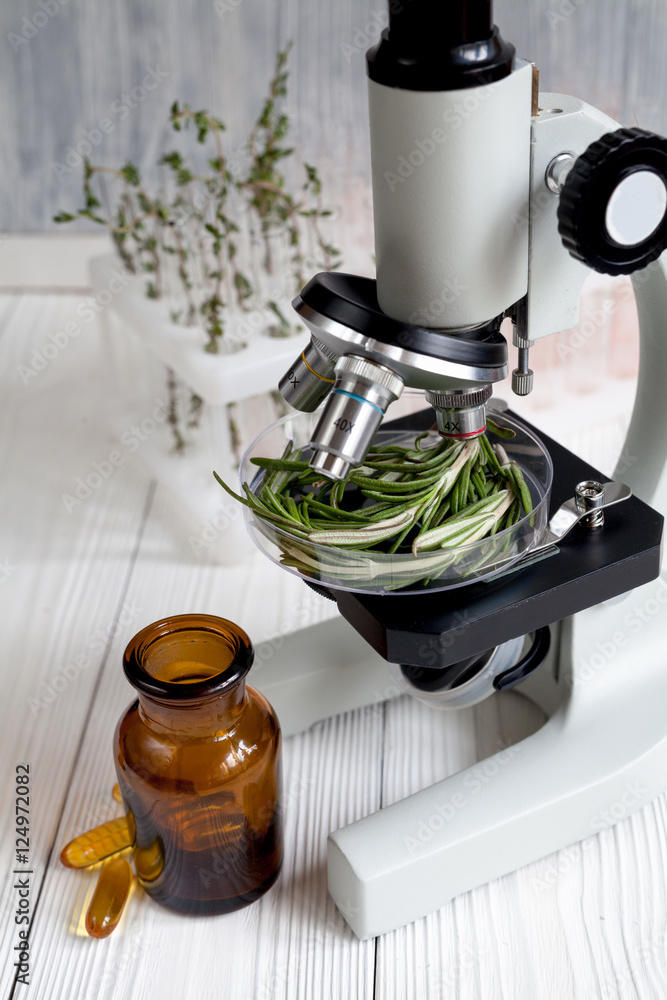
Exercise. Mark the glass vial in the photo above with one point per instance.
(198, 759)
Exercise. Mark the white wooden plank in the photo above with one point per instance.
(55, 261)
(438, 955)
(62, 590)
(587, 922)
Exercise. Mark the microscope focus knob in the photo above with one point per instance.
(612, 213)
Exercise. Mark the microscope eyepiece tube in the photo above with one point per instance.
(460, 413)
(427, 24)
(436, 266)
(352, 414)
(310, 379)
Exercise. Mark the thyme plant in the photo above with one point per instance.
(194, 239)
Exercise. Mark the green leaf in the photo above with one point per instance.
(462, 530)
(378, 532)
(131, 174)
(173, 160)
(502, 432)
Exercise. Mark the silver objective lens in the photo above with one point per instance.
(310, 378)
(352, 414)
(460, 413)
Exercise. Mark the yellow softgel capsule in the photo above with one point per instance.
(109, 898)
(115, 791)
(97, 844)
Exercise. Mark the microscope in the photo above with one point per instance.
(491, 201)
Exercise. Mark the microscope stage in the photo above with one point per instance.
(436, 629)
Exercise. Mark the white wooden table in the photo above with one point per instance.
(589, 922)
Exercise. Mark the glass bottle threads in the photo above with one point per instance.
(198, 763)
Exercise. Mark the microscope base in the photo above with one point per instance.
(320, 671)
(601, 755)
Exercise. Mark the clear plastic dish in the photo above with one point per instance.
(381, 573)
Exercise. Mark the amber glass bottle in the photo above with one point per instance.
(198, 763)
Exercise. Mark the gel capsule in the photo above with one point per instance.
(149, 861)
(97, 844)
(109, 898)
(115, 791)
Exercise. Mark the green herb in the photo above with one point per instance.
(433, 497)
(498, 430)
(191, 234)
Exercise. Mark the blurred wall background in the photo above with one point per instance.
(68, 64)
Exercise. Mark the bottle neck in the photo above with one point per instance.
(189, 673)
(194, 718)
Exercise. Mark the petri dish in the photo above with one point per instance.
(400, 573)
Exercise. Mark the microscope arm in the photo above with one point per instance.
(643, 460)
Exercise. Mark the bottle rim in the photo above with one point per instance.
(138, 650)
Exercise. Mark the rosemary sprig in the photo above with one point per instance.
(433, 497)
